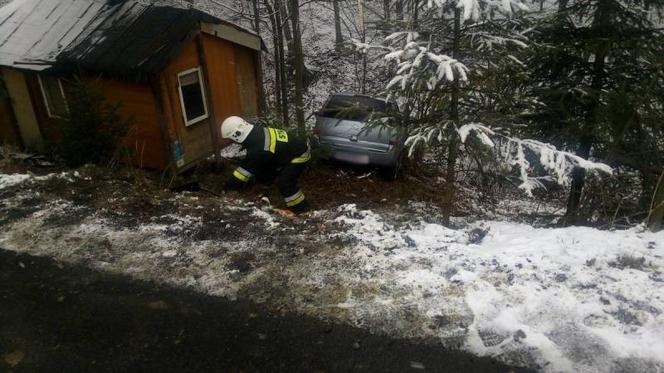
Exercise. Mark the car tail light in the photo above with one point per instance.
(316, 131)
(393, 141)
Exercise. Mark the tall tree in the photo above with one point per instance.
(386, 10)
(281, 86)
(656, 212)
(453, 142)
(338, 38)
(257, 16)
(586, 53)
(462, 78)
(298, 61)
(432, 73)
(398, 9)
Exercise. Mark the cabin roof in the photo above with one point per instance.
(114, 36)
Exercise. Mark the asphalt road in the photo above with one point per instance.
(61, 318)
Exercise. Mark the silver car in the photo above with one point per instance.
(355, 129)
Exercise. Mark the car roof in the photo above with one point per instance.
(350, 94)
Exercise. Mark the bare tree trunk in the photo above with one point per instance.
(416, 13)
(386, 10)
(283, 86)
(363, 38)
(259, 60)
(562, 6)
(257, 17)
(299, 66)
(578, 182)
(277, 56)
(453, 145)
(284, 16)
(338, 38)
(656, 214)
(599, 28)
(398, 9)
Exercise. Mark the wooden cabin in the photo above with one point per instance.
(176, 72)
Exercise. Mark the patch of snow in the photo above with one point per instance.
(559, 287)
(7, 180)
(269, 218)
(562, 299)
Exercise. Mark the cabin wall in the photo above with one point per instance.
(188, 143)
(220, 56)
(22, 107)
(137, 103)
(247, 80)
(233, 79)
(144, 140)
(9, 132)
(47, 126)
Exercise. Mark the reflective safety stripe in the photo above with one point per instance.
(304, 157)
(267, 136)
(242, 174)
(272, 135)
(273, 140)
(294, 199)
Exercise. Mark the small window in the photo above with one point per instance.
(54, 96)
(192, 97)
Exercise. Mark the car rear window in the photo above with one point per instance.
(353, 108)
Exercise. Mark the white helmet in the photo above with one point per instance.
(236, 129)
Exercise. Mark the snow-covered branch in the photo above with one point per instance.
(416, 64)
(515, 152)
(473, 9)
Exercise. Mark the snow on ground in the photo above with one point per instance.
(578, 299)
(8, 180)
(559, 299)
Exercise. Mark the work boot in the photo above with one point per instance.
(301, 207)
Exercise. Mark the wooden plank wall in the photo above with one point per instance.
(137, 103)
(196, 139)
(46, 125)
(247, 80)
(144, 140)
(9, 132)
(222, 73)
(23, 109)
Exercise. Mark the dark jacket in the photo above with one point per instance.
(268, 150)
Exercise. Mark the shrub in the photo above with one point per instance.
(92, 130)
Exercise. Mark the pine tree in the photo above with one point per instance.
(597, 69)
(460, 73)
(92, 130)
(432, 70)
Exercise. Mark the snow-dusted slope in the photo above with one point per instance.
(562, 300)
(572, 299)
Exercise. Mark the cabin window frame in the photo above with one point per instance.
(45, 97)
(206, 113)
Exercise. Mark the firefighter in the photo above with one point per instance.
(271, 154)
